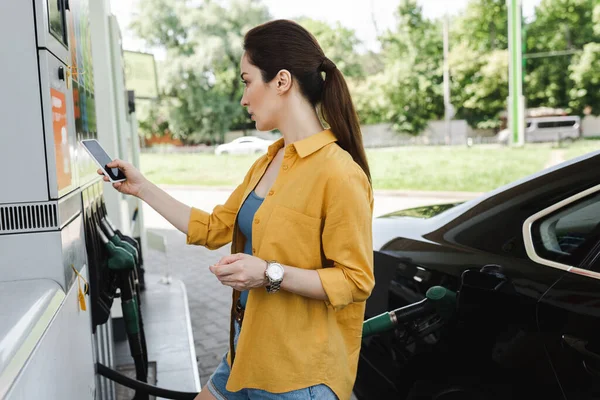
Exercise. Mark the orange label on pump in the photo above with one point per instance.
(61, 138)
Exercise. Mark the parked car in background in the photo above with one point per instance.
(547, 129)
(527, 326)
(244, 145)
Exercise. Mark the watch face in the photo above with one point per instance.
(275, 272)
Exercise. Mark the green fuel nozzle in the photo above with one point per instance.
(438, 299)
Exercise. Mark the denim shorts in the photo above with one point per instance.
(218, 380)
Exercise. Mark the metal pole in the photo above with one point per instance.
(516, 102)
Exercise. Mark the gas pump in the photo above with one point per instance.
(67, 258)
(48, 348)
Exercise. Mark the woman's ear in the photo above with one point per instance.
(283, 81)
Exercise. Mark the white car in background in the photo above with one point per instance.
(547, 129)
(244, 145)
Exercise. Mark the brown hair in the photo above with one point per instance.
(284, 44)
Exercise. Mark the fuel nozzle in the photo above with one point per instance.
(438, 299)
(443, 301)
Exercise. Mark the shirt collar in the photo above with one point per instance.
(274, 148)
(306, 147)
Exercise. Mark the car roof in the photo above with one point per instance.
(557, 118)
(251, 138)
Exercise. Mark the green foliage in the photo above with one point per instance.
(585, 73)
(370, 98)
(558, 25)
(152, 117)
(483, 26)
(596, 19)
(479, 85)
(411, 82)
(203, 41)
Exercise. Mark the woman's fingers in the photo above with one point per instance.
(233, 284)
(224, 269)
(116, 163)
(231, 258)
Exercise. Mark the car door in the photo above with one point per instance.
(545, 132)
(567, 129)
(245, 146)
(566, 236)
(255, 145)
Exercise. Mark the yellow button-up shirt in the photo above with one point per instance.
(317, 215)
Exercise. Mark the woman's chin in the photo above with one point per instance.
(262, 127)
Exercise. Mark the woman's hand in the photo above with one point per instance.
(135, 180)
(241, 271)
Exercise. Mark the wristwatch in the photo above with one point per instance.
(274, 274)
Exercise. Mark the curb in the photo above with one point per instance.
(426, 193)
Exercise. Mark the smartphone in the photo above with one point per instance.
(102, 159)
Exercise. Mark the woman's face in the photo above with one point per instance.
(261, 99)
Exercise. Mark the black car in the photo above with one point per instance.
(525, 262)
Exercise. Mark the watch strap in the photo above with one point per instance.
(274, 285)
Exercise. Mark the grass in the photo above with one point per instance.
(195, 169)
(581, 147)
(476, 169)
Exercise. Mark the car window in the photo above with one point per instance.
(556, 124)
(566, 235)
(565, 124)
(545, 125)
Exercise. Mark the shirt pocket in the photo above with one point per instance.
(293, 238)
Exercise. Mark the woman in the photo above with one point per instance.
(300, 225)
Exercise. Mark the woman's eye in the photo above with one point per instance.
(244, 82)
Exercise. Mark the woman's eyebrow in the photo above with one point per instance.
(242, 74)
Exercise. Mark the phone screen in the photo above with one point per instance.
(103, 159)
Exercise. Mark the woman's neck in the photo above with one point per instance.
(299, 122)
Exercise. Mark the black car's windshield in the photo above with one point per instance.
(422, 212)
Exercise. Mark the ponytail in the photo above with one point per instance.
(338, 111)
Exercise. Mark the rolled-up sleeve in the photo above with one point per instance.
(348, 243)
(214, 230)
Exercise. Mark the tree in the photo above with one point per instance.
(586, 78)
(559, 25)
(596, 19)
(412, 79)
(479, 85)
(370, 98)
(479, 61)
(203, 42)
(152, 118)
(483, 26)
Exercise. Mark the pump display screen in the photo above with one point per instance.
(102, 159)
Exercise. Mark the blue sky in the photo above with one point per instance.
(359, 16)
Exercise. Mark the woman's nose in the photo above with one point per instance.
(243, 101)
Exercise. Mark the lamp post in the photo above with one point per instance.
(516, 101)
(448, 108)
